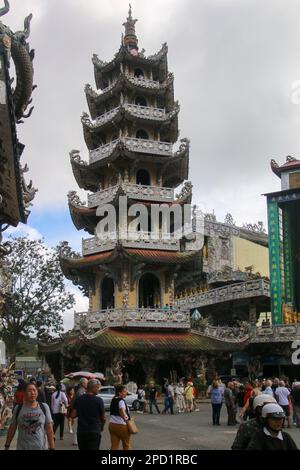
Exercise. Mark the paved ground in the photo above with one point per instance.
(179, 432)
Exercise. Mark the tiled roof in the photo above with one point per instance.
(124, 340)
(161, 257)
(287, 166)
(147, 256)
(137, 340)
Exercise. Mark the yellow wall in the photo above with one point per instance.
(247, 253)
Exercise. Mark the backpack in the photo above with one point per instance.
(140, 395)
(41, 405)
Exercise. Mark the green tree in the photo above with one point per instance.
(37, 296)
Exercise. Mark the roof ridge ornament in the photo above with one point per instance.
(130, 40)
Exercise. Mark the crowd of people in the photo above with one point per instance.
(40, 408)
(37, 409)
(180, 397)
(262, 408)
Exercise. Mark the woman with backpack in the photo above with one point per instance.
(119, 417)
(34, 423)
(59, 406)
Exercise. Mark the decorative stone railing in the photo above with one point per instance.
(228, 334)
(100, 120)
(152, 147)
(143, 82)
(276, 333)
(243, 290)
(103, 151)
(95, 94)
(135, 191)
(140, 240)
(140, 82)
(135, 318)
(93, 245)
(146, 112)
(149, 146)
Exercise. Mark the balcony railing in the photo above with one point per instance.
(135, 191)
(134, 318)
(140, 240)
(146, 112)
(222, 333)
(243, 290)
(151, 147)
(144, 82)
(100, 120)
(276, 333)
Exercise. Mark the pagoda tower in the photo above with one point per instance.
(130, 135)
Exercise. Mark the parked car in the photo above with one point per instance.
(108, 392)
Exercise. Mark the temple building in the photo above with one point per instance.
(159, 306)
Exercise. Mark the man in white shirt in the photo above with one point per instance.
(282, 395)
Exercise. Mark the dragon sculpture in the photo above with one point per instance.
(16, 44)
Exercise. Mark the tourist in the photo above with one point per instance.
(19, 393)
(41, 398)
(295, 394)
(249, 428)
(83, 382)
(271, 437)
(252, 391)
(33, 421)
(240, 400)
(70, 397)
(168, 402)
(89, 409)
(152, 396)
(189, 395)
(142, 399)
(195, 398)
(179, 396)
(230, 403)
(268, 388)
(275, 384)
(216, 397)
(59, 406)
(119, 416)
(282, 395)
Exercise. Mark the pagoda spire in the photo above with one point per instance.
(130, 38)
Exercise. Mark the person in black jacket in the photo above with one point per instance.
(271, 437)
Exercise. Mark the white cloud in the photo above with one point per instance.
(81, 305)
(24, 231)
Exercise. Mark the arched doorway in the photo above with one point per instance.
(107, 293)
(149, 291)
(138, 73)
(142, 134)
(143, 178)
(141, 101)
